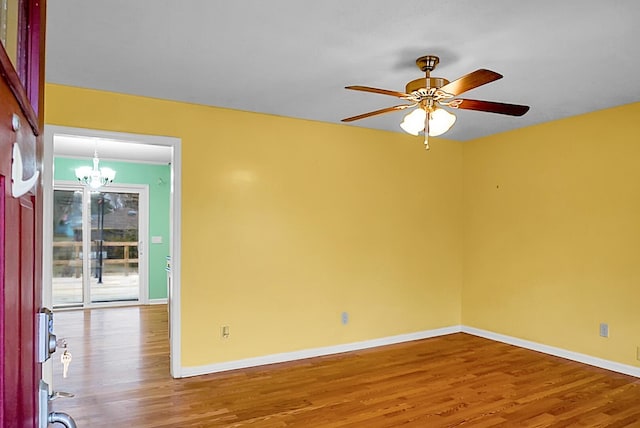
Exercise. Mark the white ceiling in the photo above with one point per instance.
(294, 57)
(68, 145)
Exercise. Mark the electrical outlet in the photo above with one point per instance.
(638, 353)
(225, 331)
(604, 329)
(345, 318)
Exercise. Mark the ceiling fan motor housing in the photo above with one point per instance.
(427, 64)
(425, 83)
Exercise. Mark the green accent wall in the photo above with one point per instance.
(158, 178)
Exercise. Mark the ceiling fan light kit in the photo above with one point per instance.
(440, 121)
(430, 94)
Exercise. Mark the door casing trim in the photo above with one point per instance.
(50, 131)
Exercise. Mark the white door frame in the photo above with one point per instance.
(50, 131)
(143, 234)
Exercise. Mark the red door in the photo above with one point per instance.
(20, 223)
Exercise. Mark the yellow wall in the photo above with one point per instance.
(552, 233)
(287, 223)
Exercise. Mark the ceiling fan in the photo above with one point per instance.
(430, 94)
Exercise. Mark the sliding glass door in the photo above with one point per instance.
(98, 245)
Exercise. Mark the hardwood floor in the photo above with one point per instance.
(120, 375)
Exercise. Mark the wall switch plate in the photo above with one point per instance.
(604, 329)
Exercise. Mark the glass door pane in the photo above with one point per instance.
(114, 247)
(9, 23)
(68, 272)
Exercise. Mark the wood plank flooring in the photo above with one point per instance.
(120, 375)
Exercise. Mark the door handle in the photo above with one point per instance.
(45, 417)
(60, 394)
(61, 418)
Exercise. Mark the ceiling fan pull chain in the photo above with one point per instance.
(426, 130)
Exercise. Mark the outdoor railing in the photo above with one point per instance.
(75, 262)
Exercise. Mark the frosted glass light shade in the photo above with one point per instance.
(413, 123)
(440, 121)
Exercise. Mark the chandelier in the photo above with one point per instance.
(95, 177)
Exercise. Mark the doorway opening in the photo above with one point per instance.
(100, 237)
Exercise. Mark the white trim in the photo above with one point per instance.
(558, 352)
(175, 218)
(103, 305)
(175, 236)
(46, 178)
(47, 221)
(316, 352)
(349, 347)
(158, 301)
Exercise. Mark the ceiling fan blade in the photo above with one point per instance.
(378, 91)
(470, 81)
(381, 111)
(490, 106)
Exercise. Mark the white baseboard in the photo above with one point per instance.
(158, 301)
(315, 352)
(348, 347)
(558, 352)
